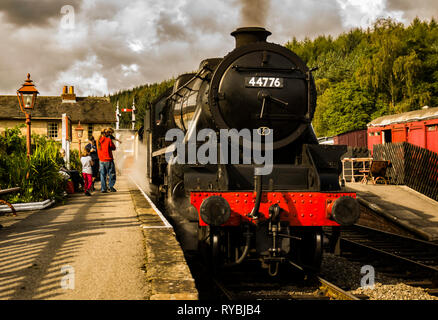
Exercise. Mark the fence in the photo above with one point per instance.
(413, 166)
(351, 169)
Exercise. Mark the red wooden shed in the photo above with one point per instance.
(419, 127)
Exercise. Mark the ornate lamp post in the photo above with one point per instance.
(27, 96)
(80, 132)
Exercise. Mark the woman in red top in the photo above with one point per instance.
(105, 147)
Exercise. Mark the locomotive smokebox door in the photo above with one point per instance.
(266, 84)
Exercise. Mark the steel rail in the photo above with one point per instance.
(334, 292)
(325, 290)
(411, 251)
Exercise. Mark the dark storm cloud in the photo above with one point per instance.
(29, 12)
(170, 29)
(120, 44)
(424, 9)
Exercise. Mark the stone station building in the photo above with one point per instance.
(94, 113)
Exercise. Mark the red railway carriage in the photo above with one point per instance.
(356, 138)
(419, 127)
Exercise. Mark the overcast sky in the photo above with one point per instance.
(102, 46)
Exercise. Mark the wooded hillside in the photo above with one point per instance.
(364, 74)
(143, 96)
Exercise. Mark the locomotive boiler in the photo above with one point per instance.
(227, 209)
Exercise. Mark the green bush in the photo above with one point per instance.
(38, 176)
(75, 162)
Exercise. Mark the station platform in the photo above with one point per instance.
(110, 246)
(401, 205)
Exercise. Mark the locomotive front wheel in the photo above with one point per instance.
(308, 251)
(210, 245)
(203, 243)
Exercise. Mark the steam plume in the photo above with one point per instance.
(254, 13)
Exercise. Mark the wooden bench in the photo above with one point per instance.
(7, 191)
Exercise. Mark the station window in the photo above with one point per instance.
(90, 130)
(432, 128)
(52, 130)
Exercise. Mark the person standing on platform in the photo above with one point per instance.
(87, 171)
(105, 148)
(111, 135)
(92, 148)
(110, 132)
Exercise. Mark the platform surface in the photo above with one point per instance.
(402, 205)
(110, 246)
(87, 248)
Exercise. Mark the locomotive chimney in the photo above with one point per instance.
(249, 35)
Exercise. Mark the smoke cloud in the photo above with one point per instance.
(254, 13)
(120, 44)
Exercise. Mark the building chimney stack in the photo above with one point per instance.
(70, 96)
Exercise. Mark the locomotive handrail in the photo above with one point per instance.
(280, 116)
(240, 68)
(309, 93)
(184, 86)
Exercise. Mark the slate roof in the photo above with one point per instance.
(86, 109)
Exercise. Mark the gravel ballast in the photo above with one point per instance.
(347, 275)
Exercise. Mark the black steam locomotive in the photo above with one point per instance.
(227, 209)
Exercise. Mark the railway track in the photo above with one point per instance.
(314, 288)
(398, 256)
(249, 282)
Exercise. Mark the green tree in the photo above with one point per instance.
(343, 107)
(143, 96)
(394, 67)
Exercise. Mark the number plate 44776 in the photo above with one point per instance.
(263, 82)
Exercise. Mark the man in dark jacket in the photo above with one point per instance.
(105, 147)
